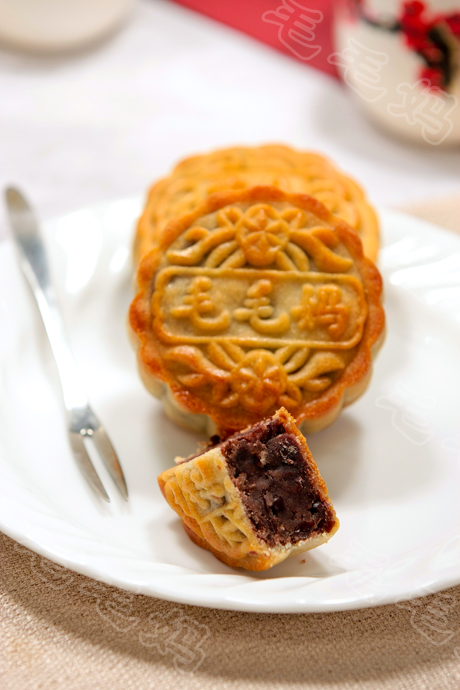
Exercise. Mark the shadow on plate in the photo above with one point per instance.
(176, 548)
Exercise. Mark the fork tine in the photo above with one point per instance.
(109, 457)
(79, 451)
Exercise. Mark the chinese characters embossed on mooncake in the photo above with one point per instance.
(258, 299)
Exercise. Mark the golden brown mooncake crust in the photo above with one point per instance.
(203, 358)
(193, 179)
(201, 492)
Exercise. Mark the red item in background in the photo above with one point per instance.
(299, 28)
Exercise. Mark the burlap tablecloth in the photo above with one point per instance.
(62, 630)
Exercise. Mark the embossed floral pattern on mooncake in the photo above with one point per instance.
(256, 305)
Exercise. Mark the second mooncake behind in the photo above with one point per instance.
(275, 165)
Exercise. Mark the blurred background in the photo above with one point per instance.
(101, 97)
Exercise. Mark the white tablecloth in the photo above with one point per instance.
(105, 123)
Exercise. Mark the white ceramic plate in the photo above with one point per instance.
(391, 461)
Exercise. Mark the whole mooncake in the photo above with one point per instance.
(254, 499)
(258, 299)
(238, 168)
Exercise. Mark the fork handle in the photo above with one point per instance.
(35, 267)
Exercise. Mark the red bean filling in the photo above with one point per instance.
(276, 485)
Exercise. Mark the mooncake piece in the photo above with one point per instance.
(258, 299)
(242, 167)
(254, 499)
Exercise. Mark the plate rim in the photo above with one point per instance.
(198, 599)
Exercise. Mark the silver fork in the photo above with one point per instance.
(81, 421)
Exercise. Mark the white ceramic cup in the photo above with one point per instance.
(402, 60)
(49, 26)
